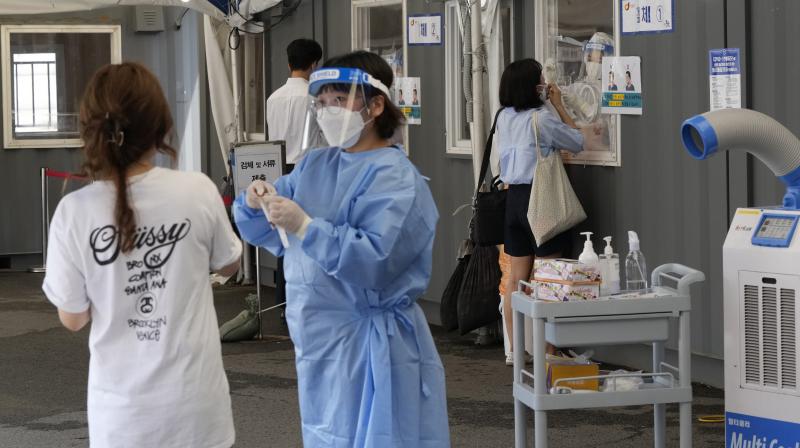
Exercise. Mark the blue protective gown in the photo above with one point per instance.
(368, 371)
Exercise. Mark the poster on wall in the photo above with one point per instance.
(647, 16)
(622, 85)
(725, 78)
(425, 29)
(408, 97)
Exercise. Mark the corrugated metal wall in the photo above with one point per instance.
(679, 206)
(20, 210)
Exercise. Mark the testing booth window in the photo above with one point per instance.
(457, 54)
(379, 27)
(42, 84)
(457, 125)
(572, 39)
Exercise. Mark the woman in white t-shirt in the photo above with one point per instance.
(131, 253)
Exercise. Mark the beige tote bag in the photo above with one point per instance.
(553, 207)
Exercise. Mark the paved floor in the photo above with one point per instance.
(43, 372)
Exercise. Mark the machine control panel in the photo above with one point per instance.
(775, 230)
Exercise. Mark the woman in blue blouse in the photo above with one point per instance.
(523, 93)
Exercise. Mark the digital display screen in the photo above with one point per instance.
(776, 228)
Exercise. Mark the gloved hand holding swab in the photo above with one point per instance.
(263, 191)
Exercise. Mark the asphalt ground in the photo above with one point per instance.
(43, 373)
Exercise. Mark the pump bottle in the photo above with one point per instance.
(609, 269)
(635, 265)
(588, 256)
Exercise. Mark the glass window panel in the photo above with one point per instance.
(570, 24)
(47, 85)
(381, 31)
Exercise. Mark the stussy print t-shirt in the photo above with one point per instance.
(155, 375)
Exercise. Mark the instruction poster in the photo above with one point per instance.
(622, 85)
(408, 97)
(647, 16)
(425, 29)
(725, 78)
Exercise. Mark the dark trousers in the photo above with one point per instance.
(280, 279)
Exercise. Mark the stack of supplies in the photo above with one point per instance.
(562, 280)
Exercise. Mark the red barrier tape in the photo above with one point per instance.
(63, 175)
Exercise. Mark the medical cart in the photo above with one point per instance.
(641, 317)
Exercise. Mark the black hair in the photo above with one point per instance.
(391, 118)
(628, 73)
(303, 53)
(518, 85)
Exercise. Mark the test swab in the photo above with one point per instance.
(281, 230)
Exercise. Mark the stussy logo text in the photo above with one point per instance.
(160, 241)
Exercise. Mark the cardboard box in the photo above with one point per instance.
(559, 368)
(561, 269)
(555, 291)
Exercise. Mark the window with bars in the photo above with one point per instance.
(46, 69)
(35, 93)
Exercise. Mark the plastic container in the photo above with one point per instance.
(588, 256)
(635, 265)
(609, 269)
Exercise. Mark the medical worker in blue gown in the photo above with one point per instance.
(361, 223)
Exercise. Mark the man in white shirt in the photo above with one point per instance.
(287, 106)
(286, 114)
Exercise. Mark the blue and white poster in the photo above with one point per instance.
(647, 16)
(725, 78)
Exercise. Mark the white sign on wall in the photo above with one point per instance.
(647, 16)
(725, 78)
(254, 161)
(425, 29)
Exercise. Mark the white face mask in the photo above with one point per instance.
(593, 70)
(342, 127)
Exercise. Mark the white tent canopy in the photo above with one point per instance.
(14, 7)
(246, 8)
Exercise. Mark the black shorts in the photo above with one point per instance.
(519, 240)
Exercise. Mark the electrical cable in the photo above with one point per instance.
(236, 37)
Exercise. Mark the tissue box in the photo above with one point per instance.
(560, 368)
(565, 291)
(566, 270)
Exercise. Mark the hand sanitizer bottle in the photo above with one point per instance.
(635, 265)
(588, 256)
(609, 269)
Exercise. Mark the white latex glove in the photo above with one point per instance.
(286, 213)
(256, 192)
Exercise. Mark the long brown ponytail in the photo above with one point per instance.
(124, 116)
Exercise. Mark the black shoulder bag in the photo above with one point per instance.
(489, 207)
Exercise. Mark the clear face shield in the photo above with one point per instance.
(339, 106)
(599, 46)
